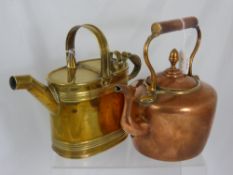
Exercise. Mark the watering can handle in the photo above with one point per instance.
(159, 28)
(104, 51)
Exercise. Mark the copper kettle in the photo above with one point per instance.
(85, 111)
(169, 114)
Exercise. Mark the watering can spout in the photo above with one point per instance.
(37, 89)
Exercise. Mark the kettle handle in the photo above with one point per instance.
(159, 28)
(104, 51)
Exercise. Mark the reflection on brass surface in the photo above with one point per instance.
(169, 114)
(85, 111)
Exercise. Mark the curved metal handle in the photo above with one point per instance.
(165, 27)
(70, 51)
(135, 59)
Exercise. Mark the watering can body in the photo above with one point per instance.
(85, 111)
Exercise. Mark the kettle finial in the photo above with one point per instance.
(174, 58)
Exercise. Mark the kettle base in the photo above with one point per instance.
(88, 148)
(168, 152)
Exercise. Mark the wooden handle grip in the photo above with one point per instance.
(174, 25)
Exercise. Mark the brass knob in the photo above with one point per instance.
(174, 58)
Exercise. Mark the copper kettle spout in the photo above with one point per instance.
(122, 88)
(129, 97)
(126, 123)
(37, 89)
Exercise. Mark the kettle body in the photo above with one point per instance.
(169, 114)
(174, 127)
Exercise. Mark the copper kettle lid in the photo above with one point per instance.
(174, 78)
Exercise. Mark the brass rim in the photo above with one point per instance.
(89, 144)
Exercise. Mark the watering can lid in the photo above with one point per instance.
(86, 72)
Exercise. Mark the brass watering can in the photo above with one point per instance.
(169, 114)
(85, 111)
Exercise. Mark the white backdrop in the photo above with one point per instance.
(32, 40)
